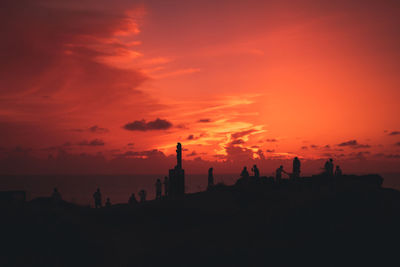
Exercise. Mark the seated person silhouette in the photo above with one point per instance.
(244, 173)
(132, 200)
(338, 171)
(56, 196)
(108, 202)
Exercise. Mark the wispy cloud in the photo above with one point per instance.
(353, 144)
(394, 133)
(94, 142)
(174, 73)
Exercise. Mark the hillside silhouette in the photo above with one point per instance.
(252, 223)
(328, 219)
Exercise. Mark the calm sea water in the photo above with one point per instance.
(80, 188)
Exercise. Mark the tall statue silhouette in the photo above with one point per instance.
(179, 156)
(177, 176)
(296, 168)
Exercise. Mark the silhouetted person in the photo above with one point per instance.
(166, 186)
(296, 168)
(132, 200)
(108, 202)
(329, 167)
(256, 171)
(278, 174)
(158, 189)
(97, 198)
(326, 167)
(338, 171)
(142, 195)
(210, 178)
(56, 195)
(244, 173)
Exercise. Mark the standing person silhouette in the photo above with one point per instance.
(158, 189)
(97, 198)
(244, 173)
(142, 195)
(166, 186)
(278, 174)
(210, 178)
(329, 167)
(256, 171)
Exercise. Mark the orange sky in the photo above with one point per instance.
(234, 81)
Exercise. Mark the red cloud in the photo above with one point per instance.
(157, 124)
(53, 62)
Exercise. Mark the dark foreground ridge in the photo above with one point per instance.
(314, 221)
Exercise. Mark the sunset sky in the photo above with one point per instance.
(112, 86)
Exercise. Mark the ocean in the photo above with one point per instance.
(79, 189)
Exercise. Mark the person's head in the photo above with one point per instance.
(108, 199)
(337, 167)
(296, 158)
(98, 189)
(281, 167)
(330, 160)
(55, 189)
(254, 166)
(244, 168)
(158, 180)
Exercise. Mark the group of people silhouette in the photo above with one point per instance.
(132, 199)
(328, 171)
(97, 196)
(98, 201)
